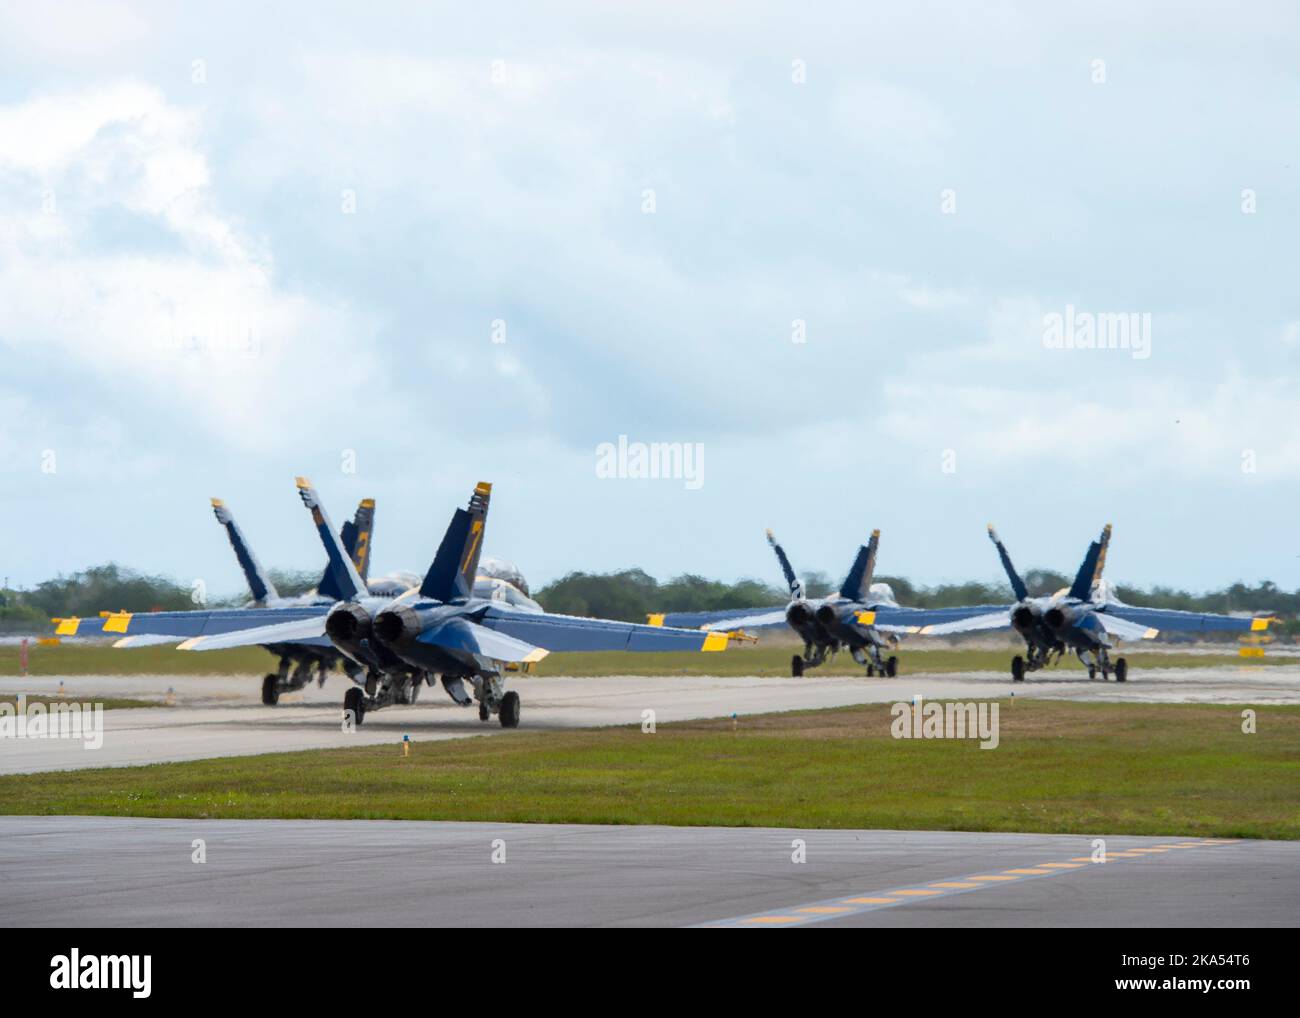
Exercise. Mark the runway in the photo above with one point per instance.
(223, 715)
(109, 871)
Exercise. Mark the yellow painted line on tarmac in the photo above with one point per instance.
(840, 907)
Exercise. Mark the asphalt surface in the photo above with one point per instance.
(109, 871)
(223, 715)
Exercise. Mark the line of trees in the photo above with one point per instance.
(629, 594)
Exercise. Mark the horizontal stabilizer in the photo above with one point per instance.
(294, 631)
(1123, 629)
(465, 636)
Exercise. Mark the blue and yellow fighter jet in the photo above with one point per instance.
(304, 656)
(863, 617)
(442, 630)
(1088, 619)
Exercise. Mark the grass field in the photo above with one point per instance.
(1060, 767)
(112, 703)
(763, 659)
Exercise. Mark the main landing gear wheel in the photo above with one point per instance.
(483, 713)
(1017, 669)
(354, 703)
(871, 671)
(891, 666)
(271, 690)
(510, 710)
(1092, 672)
(796, 666)
(1121, 670)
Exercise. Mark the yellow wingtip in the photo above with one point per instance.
(116, 622)
(217, 503)
(367, 503)
(483, 488)
(715, 641)
(302, 482)
(1257, 624)
(655, 620)
(866, 618)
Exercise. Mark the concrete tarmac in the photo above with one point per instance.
(110, 871)
(223, 715)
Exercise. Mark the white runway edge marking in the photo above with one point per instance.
(929, 890)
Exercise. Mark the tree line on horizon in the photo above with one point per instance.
(628, 594)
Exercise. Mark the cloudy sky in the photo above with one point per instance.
(402, 250)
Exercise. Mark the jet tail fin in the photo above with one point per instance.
(1017, 584)
(1081, 588)
(258, 581)
(452, 573)
(355, 535)
(787, 570)
(1101, 559)
(864, 567)
(346, 583)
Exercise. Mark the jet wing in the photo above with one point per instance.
(184, 625)
(999, 619)
(1171, 621)
(735, 618)
(570, 632)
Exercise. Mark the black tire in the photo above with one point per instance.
(1121, 670)
(1017, 669)
(354, 702)
(796, 666)
(871, 671)
(1092, 672)
(271, 690)
(483, 713)
(891, 666)
(509, 713)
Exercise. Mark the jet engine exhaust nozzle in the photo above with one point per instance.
(798, 615)
(347, 623)
(827, 616)
(1055, 618)
(397, 626)
(1022, 618)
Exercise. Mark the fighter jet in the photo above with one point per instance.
(298, 658)
(302, 655)
(1087, 618)
(442, 630)
(863, 617)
